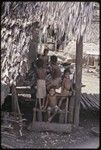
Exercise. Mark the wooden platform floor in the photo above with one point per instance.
(90, 101)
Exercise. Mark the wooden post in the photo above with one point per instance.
(66, 113)
(79, 52)
(34, 115)
(39, 115)
(33, 47)
(71, 109)
(15, 104)
(61, 117)
(88, 63)
(14, 99)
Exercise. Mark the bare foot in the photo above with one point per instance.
(49, 119)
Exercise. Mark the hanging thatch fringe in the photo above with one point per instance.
(17, 28)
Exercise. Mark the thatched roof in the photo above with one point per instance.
(17, 28)
(69, 17)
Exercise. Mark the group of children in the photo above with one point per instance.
(46, 94)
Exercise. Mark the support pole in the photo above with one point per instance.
(79, 53)
(71, 109)
(66, 114)
(33, 45)
(15, 104)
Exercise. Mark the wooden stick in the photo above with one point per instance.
(94, 99)
(39, 115)
(67, 100)
(85, 101)
(50, 119)
(61, 117)
(71, 109)
(34, 114)
(15, 104)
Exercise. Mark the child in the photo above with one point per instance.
(66, 83)
(55, 73)
(51, 101)
(41, 83)
(45, 58)
(66, 86)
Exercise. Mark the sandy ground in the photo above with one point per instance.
(91, 81)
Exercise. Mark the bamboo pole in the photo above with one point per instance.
(79, 53)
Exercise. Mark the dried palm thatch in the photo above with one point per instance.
(17, 25)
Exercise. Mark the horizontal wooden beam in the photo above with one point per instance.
(46, 126)
(6, 146)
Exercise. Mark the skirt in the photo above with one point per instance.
(41, 89)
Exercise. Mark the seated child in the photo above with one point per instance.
(51, 101)
(66, 86)
(45, 58)
(66, 83)
(41, 83)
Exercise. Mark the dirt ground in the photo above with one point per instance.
(91, 80)
(81, 137)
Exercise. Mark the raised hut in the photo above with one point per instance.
(25, 26)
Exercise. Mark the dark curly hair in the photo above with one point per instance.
(51, 87)
(39, 63)
(53, 59)
(46, 50)
(67, 70)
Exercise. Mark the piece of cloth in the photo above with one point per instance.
(58, 90)
(41, 89)
(55, 108)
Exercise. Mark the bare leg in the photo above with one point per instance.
(51, 117)
(43, 102)
(66, 109)
(49, 112)
(55, 112)
(61, 101)
(36, 103)
(40, 103)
